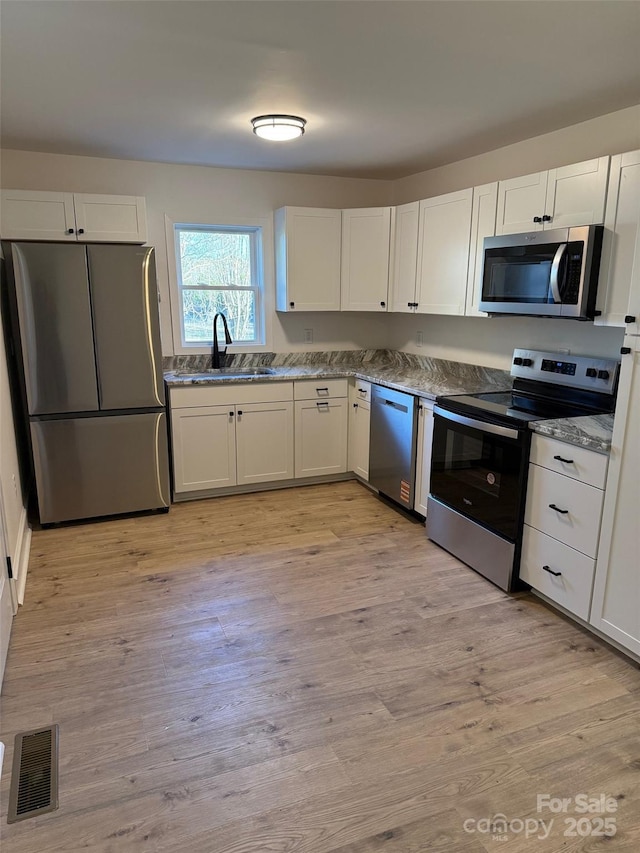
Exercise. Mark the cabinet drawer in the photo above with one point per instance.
(576, 462)
(362, 391)
(320, 389)
(229, 395)
(572, 587)
(576, 521)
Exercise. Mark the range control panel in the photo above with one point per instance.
(576, 371)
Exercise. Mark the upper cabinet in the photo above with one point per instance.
(559, 198)
(483, 224)
(405, 258)
(619, 285)
(75, 217)
(308, 259)
(366, 234)
(443, 253)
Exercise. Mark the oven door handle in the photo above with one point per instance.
(494, 429)
(555, 270)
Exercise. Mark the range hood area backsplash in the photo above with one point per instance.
(435, 367)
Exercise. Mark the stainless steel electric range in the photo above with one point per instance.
(480, 455)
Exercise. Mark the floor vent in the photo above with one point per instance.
(34, 777)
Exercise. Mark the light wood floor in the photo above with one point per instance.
(302, 672)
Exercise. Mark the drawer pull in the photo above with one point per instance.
(562, 459)
(326, 390)
(551, 572)
(323, 403)
(557, 509)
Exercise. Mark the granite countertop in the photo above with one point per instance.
(590, 431)
(424, 377)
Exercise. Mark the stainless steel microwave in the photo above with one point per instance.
(543, 273)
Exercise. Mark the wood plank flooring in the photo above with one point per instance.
(301, 671)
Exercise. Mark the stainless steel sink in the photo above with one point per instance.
(226, 373)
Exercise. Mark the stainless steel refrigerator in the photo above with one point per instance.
(87, 336)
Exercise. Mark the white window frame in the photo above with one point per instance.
(262, 284)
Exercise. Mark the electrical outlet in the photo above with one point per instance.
(308, 336)
(419, 339)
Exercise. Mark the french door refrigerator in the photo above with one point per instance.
(88, 347)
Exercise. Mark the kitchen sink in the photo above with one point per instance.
(226, 372)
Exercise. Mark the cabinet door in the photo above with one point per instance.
(443, 253)
(619, 287)
(519, 200)
(320, 437)
(423, 457)
(204, 448)
(576, 194)
(110, 218)
(264, 442)
(616, 597)
(365, 258)
(308, 258)
(36, 216)
(359, 423)
(405, 257)
(483, 224)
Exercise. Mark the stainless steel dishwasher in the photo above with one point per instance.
(392, 453)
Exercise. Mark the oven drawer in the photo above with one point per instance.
(572, 587)
(578, 507)
(581, 464)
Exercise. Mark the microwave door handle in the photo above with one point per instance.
(555, 271)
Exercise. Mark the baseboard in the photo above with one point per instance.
(21, 563)
(270, 486)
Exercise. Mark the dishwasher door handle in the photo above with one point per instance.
(393, 405)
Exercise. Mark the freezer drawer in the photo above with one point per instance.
(96, 466)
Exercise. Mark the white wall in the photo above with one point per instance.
(609, 134)
(210, 195)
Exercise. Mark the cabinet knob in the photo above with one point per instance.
(383, 304)
(546, 218)
(239, 412)
(80, 230)
(292, 305)
(629, 318)
(625, 350)
(355, 405)
(231, 414)
(537, 219)
(69, 231)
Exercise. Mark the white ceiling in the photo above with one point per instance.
(389, 87)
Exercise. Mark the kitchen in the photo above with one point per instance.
(199, 194)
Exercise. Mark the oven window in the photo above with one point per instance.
(478, 474)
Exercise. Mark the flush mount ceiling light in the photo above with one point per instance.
(278, 127)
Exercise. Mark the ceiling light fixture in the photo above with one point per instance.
(278, 127)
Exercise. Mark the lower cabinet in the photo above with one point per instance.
(321, 421)
(562, 522)
(359, 425)
(423, 455)
(247, 439)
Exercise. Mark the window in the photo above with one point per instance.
(219, 271)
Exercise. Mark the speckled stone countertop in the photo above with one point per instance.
(419, 375)
(590, 431)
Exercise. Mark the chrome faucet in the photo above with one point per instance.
(218, 357)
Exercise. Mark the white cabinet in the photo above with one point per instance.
(619, 285)
(443, 253)
(321, 420)
(423, 455)
(404, 253)
(308, 241)
(366, 235)
(359, 425)
(562, 522)
(560, 198)
(204, 448)
(231, 435)
(616, 598)
(27, 215)
(483, 224)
